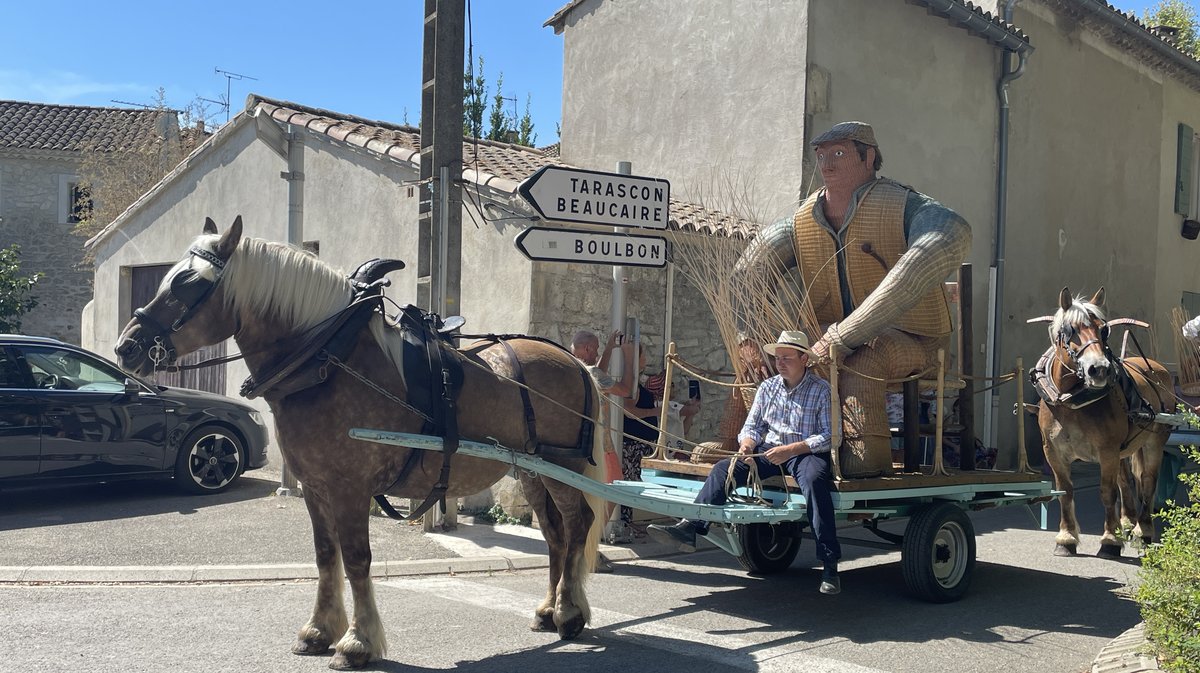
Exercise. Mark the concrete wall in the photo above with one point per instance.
(31, 187)
(1086, 187)
(1176, 270)
(704, 97)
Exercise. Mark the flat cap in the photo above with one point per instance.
(860, 131)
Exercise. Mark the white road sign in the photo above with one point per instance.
(565, 245)
(592, 197)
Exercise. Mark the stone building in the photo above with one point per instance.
(1074, 163)
(360, 201)
(41, 148)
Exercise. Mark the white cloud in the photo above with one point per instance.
(63, 87)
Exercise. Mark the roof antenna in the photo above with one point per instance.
(229, 77)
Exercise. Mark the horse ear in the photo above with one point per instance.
(230, 239)
(1064, 298)
(210, 227)
(1098, 298)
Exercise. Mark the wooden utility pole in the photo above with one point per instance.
(439, 260)
(439, 220)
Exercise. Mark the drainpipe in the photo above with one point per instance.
(991, 411)
(295, 237)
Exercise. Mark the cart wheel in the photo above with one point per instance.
(766, 548)
(938, 556)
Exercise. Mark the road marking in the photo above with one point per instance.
(721, 650)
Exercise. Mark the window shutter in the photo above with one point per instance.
(1183, 171)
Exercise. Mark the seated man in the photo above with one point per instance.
(788, 429)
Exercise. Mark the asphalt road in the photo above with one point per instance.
(1027, 609)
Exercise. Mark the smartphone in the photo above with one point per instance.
(693, 389)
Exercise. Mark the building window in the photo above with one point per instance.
(74, 201)
(1191, 303)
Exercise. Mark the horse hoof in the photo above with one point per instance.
(571, 628)
(1109, 551)
(309, 647)
(343, 661)
(544, 623)
(1064, 550)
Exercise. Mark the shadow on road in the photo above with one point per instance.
(58, 505)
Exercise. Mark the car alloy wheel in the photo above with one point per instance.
(209, 460)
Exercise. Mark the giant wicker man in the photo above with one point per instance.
(872, 254)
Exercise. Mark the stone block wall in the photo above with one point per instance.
(568, 297)
(29, 208)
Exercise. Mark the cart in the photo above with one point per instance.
(937, 547)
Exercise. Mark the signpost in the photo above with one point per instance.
(567, 245)
(591, 197)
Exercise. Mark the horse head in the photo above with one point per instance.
(182, 318)
(1079, 332)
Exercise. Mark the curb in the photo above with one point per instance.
(1124, 654)
(288, 571)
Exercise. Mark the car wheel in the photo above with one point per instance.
(209, 460)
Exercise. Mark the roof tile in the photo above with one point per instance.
(74, 128)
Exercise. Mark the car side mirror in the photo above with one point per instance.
(132, 388)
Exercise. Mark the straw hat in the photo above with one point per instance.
(795, 340)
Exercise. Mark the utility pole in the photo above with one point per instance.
(439, 260)
(439, 219)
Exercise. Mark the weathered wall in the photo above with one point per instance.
(30, 217)
(704, 97)
(1175, 270)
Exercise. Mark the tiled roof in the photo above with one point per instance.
(965, 15)
(484, 157)
(1127, 32)
(73, 128)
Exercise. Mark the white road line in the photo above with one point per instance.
(721, 650)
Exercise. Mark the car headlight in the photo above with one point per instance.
(257, 418)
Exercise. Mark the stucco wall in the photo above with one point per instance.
(30, 192)
(704, 97)
(1176, 270)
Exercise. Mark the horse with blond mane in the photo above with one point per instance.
(1086, 414)
(513, 391)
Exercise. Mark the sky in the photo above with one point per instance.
(362, 58)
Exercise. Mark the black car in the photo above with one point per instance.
(68, 415)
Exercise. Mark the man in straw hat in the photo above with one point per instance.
(872, 254)
(787, 429)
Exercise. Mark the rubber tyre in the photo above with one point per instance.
(768, 549)
(938, 554)
(209, 460)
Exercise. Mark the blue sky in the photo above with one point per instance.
(361, 58)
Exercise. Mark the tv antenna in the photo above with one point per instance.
(125, 102)
(229, 77)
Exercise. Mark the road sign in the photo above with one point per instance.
(592, 197)
(566, 245)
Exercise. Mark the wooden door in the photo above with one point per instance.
(144, 286)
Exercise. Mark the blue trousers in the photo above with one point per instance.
(813, 472)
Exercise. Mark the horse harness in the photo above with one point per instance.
(1136, 407)
(432, 373)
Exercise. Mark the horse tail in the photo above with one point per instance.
(594, 470)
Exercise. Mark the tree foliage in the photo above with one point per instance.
(474, 102)
(113, 180)
(1178, 14)
(16, 291)
(1169, 593)
(502, 125)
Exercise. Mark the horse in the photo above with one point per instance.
(1084, 414)
(267, 296)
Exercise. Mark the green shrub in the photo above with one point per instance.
(497, 515)
(1169, 593)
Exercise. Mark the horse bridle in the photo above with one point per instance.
(187, 291)
(1064, 341)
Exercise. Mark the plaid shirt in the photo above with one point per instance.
(781, 416)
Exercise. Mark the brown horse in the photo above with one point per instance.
(266, 294)
(1084, 415)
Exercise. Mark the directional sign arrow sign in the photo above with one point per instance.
(565, 245)
(591, 197)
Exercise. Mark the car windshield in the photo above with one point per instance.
(66, 370)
